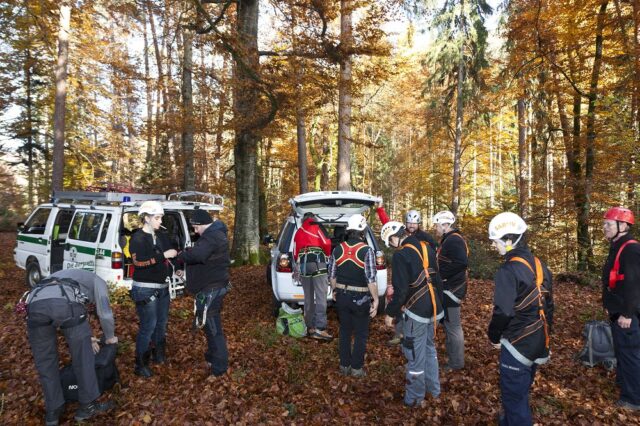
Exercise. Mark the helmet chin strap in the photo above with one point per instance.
(509, 247)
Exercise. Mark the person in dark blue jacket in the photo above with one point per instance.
(207, 272)
(522, 316)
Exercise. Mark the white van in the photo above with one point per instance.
(90, 230)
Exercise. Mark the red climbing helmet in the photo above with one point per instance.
(620, 214)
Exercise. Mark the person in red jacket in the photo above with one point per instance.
(311, 251)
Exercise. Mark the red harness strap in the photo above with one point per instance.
(614, 275)
(350, 253)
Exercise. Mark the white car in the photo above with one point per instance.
(333, 209)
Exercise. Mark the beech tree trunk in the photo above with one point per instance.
(57, 174)
(303, 174)
(246, 98)
(457, 148)
(523, 193)
(345, 97)
(189, 183)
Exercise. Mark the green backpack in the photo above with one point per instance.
(290, 322)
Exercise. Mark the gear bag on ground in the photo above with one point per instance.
(598, 347)
(106, 373)
(290, 322)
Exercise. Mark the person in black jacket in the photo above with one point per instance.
(621, 299)
(150, 253)
(207, 271)
(453, 258)
(417, 295)
(522, 316)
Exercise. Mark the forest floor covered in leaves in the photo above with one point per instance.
(279, 380)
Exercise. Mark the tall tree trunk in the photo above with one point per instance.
(28, 69)
(57, 178)
(187, 112)
(523, 192)
(345, 97)
(148, 91)
(326, 155)
(457, 148)
(590, 151)
(246, 237)
(301, 134)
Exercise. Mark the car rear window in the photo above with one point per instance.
(284, 239)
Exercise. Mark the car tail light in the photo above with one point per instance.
(380, 264)
(284, 263)
(117, 260)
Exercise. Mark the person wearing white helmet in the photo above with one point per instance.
(412, 221)
(352, 275)
(417, 297)
(150, 252)
(453, 259)
(522, 316)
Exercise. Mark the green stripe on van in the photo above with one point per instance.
(34, 240)
(91, 250)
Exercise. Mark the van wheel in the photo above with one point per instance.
(33, 275)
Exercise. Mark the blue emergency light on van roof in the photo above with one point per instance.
(126, 199)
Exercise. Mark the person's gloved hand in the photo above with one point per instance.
(95, 345)
(373, 310)
(388, 294)
(111, 341)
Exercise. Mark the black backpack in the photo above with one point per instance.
(106, 373)
(598, 347)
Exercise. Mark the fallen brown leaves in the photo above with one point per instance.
(276, 380)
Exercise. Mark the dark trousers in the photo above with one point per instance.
(153, 317)
(626, 342)
(217, 354)
(44, 346)
(354, 322)
(515, 382)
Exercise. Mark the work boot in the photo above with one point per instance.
(321, 335)
(396, 340)
(51, 418)
(358, 372)
(87, 411)
(142, 365)
(627, 405)
(158, 353)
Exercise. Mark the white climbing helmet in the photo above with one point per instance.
(151, 208)
(357, 222)
(389, 229)
(506, 223)
(443, 217)
(413, 216)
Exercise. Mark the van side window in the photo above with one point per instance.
(61, 226)
(91, 227)
(86, 226)
(105, 228)
(38, 221)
